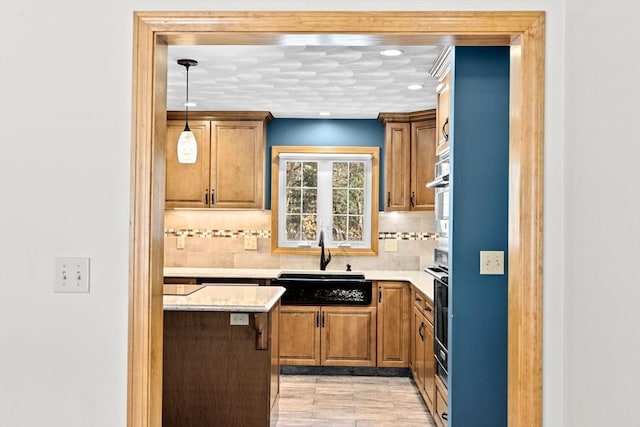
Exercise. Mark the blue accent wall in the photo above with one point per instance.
(479, 215)
(323, 132)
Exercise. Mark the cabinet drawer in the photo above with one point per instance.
(425, 305)
(441, 414)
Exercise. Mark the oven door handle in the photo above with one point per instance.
(436, 275)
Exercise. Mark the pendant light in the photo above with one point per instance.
(187, 145)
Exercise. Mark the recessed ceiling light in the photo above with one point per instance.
(391, 52)
(414, 87)
(324, 113)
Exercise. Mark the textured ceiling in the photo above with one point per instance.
(301, 81)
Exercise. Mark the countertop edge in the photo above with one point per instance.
(418, 278)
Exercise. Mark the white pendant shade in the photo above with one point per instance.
(187, 147)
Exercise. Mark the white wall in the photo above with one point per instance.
(65, 96)
(603, 213)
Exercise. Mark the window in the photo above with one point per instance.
(333, 189)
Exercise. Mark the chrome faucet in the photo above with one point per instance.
(323, 261)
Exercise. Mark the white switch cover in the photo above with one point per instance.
(391, 245)
(72, 275)
(492, 262)
(239, 318)
(180, 242)
(251, 243)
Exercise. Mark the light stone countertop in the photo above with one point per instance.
(236, 298)
(418, 278)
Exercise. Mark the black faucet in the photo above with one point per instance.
(323, 261)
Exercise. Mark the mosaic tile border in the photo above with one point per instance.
(266, 234)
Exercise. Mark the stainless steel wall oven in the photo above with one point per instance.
(440, 273)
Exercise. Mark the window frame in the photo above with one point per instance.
(374, 154)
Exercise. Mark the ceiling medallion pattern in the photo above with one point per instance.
(300, 81)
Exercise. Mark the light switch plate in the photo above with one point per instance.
(72, 275)
(180, 242)
(492, 262)
(239, 319)
(391, 245)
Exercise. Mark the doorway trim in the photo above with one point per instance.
(154, 31)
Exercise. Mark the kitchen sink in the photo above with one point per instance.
(324, 288)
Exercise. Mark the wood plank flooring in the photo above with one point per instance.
(350, 401)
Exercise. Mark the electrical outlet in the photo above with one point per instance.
(391, 245)
(492, 262)
(251, 243)
(72, 275)
(180, 242)
(239, 319)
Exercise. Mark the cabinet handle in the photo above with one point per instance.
(413, 199)
(323, 319)
(206, 196)
(317, 319)
(427, 308)
(444, 416)
(379, 294)
(389, 199)
(418, 298)
(422, 325)
(213, 197)
(445, 134)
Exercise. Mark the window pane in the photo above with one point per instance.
(309, 227)
(310, 200)
(356, 202)
(340, 174)
(310, 174)
(339, 201)
(339, 228)
(293, 227)
(356, 228)
(356, 175)
(293, 200)
(294, 174)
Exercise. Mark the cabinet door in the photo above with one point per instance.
(237, 164)
(187, 185)
(423, 159)
(348, 336)
(418, 344)
(393, 324)
(429, 366)
(441, 405)
(443, 114)
(397, 166)
(299, 335)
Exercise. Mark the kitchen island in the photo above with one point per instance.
(220, 355)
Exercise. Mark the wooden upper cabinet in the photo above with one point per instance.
(237, 164)
(186, 184)
(230, 169)
(397, 166)
(410, 153)
(443, 112)
(423, 160)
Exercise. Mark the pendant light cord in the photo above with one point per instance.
(186, 105)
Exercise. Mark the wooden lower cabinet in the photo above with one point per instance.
(328, 336)
(393, 324)
(423, 363)
(441, 410)
(217, 374)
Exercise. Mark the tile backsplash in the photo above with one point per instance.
(216, 239)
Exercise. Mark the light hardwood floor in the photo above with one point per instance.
(350, 401)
